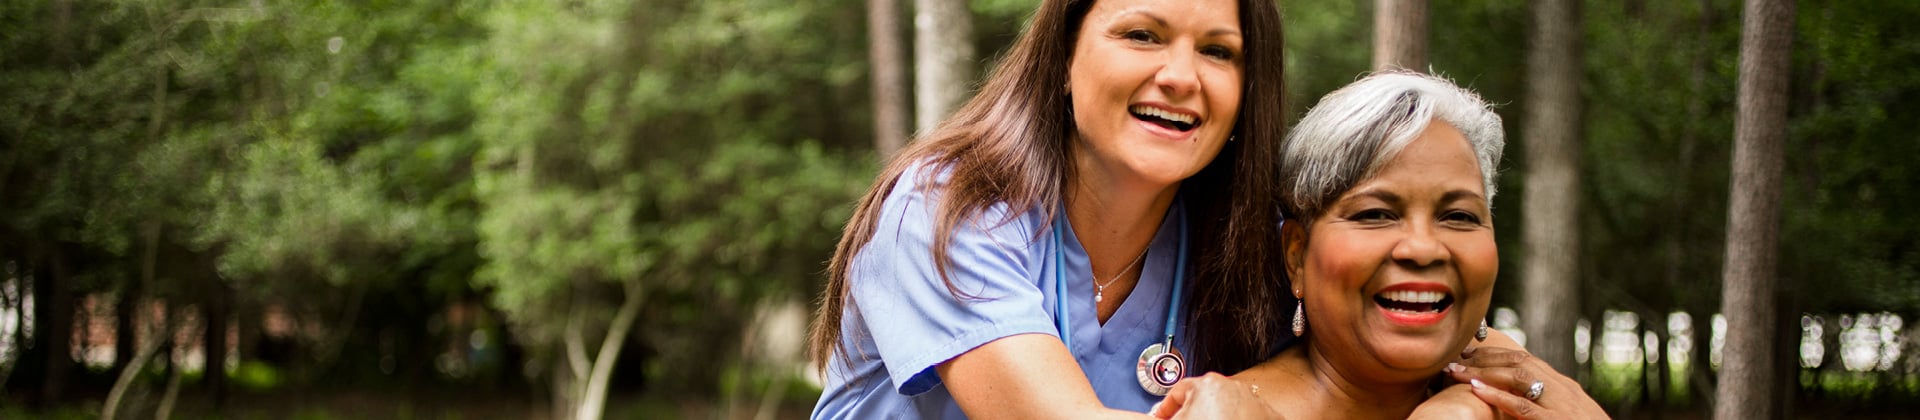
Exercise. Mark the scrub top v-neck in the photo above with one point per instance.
(903, 321)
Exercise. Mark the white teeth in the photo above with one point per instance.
(1162, 114)
(1413, 296)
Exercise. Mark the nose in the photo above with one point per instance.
(1420, 248)
(1178, 78)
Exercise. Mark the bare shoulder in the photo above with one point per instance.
(1283, 382)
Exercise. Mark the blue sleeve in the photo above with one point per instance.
(915, 321)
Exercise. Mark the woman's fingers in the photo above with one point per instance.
(1176, 398)
(1510, 379)
(1502, 378)
(1483, 356)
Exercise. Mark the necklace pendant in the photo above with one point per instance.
(1097, 297)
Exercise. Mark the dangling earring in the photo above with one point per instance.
(1300, 319)
(1480, 334)
(1230, 139)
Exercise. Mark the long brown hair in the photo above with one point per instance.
(1010, 144)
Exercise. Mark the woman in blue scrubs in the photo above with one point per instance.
(1109, 193)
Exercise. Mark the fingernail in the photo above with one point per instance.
(1477, 384)
(1454, 367)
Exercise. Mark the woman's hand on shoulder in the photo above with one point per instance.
(1522, 386)
(1213, 396)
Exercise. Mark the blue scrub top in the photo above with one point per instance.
(903, 321)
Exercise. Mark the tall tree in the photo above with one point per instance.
(943, 58)
(1753, 214)
(1400, 34)
(1551, 203)
(889, 79)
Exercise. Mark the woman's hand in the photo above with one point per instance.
(1213, 396)
(1504, 378)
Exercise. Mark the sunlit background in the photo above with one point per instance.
(500, 209)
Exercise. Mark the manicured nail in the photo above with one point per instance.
(1454, 367)
(1477, 384)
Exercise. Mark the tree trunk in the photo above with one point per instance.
(1400, 35)
(1786, 367)
(1699, 372)
(1550, 274)
(943, 58)
(125, 381)
(129, 309)
(172, 393)
(1657, 374)
(563, 385)
(214, 341)
(889, 78)
(57, 335)
(1753, 219)
(593, 400)
(125, 321)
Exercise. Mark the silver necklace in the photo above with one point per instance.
(1100, 290)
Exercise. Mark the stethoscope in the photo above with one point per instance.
(1160, 364)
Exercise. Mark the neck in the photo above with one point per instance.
(1115, 219)
(1345, 394)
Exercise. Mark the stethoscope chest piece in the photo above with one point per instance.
(1160, 367)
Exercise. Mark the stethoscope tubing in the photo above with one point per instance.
(1060, 318)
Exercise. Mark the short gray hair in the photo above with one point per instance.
(1356, 130)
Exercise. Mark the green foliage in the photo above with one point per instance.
(662, 145)
(1849, 185)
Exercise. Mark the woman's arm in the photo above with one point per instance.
(1023, 376)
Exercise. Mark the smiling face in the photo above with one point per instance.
(1156, 87)
(1398, 271)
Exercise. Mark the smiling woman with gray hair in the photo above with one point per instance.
(1389, 249)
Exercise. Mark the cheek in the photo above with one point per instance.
(1341, 262)
(1225, 92)
(1479, 261)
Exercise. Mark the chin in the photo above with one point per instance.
(1165, 172)
(1422, 355)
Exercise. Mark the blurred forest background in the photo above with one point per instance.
(512, 209)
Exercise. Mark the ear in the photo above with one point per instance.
(1293, 246)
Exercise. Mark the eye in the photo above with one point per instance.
(1141, 36)
(1221, 52)
(1372, 216)
(1461, 217)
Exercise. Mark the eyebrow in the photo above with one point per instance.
(1458, 195)
(1137, 10)
(1394, 199)
(1157, 20)
(1382, 195)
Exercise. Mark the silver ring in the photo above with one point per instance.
(1534, 391)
